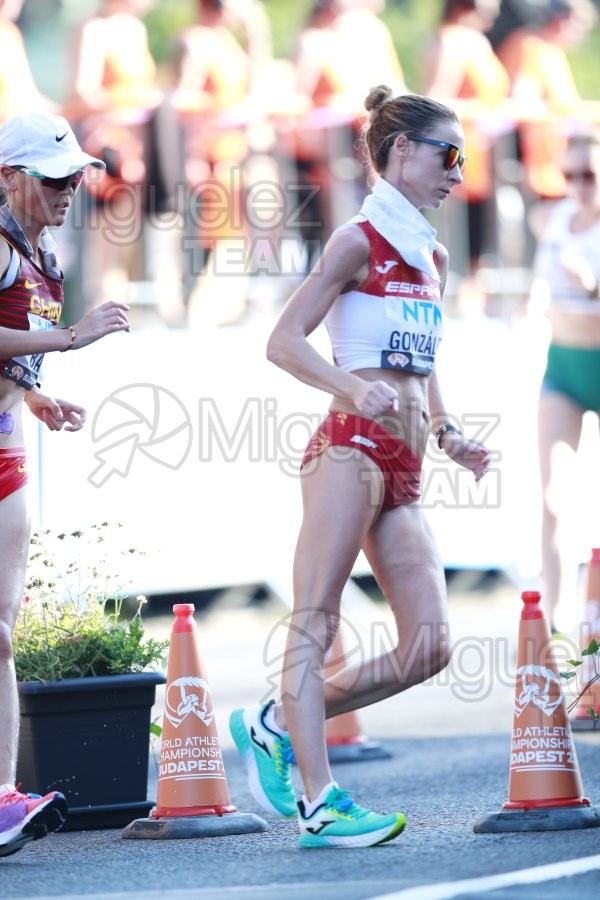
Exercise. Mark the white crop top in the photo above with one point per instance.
(557, 243)
(393, 320)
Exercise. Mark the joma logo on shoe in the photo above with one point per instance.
(260, 744)
(321, 826)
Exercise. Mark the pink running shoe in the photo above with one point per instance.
(27, 817)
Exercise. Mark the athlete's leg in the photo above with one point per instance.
(341, 500)
(559, 420)
(14, 550)
(405, 562)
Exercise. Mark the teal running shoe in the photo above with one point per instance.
(268, 758)
(340, 822)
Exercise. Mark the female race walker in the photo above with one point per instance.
(567, 285)
(378, 288)
(41, 166)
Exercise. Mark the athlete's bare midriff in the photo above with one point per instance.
(411, 421)
(575, 327)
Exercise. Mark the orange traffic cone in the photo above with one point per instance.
(590, 699)
(193, 797)
(345, 741)
(545, 792)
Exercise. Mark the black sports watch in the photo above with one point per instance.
(447, 426)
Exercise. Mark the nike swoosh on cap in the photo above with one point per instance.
(29, 285)
(62, 137)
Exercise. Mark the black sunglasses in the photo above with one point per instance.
(58, 184)
(453, 155)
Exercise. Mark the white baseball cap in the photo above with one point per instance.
(43, 143)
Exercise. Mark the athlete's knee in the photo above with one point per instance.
(549, 505)
(425, 657)
(6, 646)
(440, 657)
(439, 651)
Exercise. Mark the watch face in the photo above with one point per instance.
(442, 431)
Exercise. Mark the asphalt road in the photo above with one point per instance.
(449, 743)
(444, 785)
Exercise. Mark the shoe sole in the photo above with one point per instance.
(341, 842)
(239, 733)
(43, 821)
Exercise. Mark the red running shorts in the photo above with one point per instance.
(401, 468)
(13, 471)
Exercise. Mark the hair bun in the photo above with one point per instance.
(377, 97)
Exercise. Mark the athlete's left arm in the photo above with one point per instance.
(471, 454)
(56, 414)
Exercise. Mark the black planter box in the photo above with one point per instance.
(90, 739)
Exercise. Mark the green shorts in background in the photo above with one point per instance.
(574, 372)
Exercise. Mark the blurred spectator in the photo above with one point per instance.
(343, 50)
(541, 80)
(337, 34)
(112, 101)
(462, 70)
(113, 65)
(514, 14)
(567, 284)
(213, 83)
(220, 64)
(18, 90)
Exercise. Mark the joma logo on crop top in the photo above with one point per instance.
(385, 268)
(405, 287)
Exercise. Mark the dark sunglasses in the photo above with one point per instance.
(453, 156)
(588, 177)
(58, 184)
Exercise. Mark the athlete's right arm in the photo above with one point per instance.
(14, 342)
(105, 319)
(343, 263)
(17, 343)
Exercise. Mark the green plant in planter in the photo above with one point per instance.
(593, 652)
(72, 623)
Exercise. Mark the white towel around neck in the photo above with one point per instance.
(401, 224)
